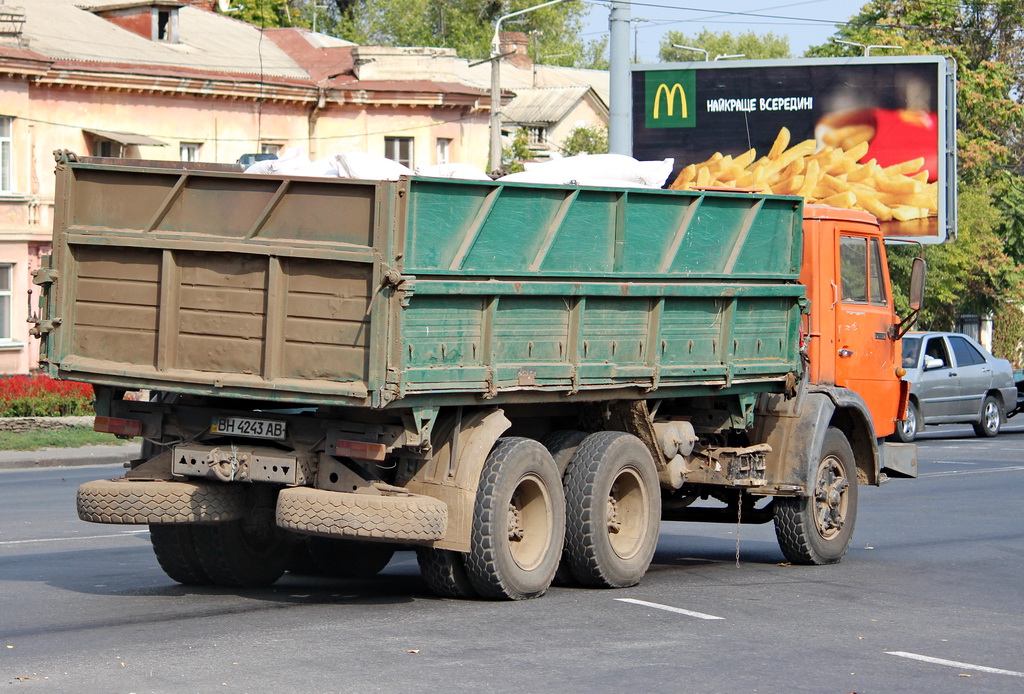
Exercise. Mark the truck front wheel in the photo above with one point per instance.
(817, 529)
(613, 510)
(518, 522)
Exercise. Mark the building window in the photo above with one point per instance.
(537, 135)
(5, 154)
(190, 151)
(399, 149)
(442, 152)
(165, 24)
(270, 148)
(6, 272)
(105, 148)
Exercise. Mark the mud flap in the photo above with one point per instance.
(898, 459)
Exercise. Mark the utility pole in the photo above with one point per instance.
(495, 60)
(620, 134)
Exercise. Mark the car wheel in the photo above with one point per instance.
(991, 418)
(906, 429)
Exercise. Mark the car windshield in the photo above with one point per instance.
(911, 349)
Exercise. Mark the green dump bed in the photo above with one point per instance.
(420, 292)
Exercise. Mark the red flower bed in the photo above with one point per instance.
(42, 396)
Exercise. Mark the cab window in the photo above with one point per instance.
(860, 270)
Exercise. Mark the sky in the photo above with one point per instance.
(805, 22)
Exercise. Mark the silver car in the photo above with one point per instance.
(954, 380)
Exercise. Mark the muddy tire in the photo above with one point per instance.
(398, 518)
(445, 573)
(175, 551)
(347, 558)
(251, 552)
(518, 522)
(562, 445)
(137, 502)
(992, 418)
(613, 510)
(817, 529)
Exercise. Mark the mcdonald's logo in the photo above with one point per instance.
(670, 99)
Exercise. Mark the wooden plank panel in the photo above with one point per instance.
(219, 354)
(113, 291)
(221, 324)
(319, 361)
(327, 333)
(113, 345)
(236, 300)
(134, 318)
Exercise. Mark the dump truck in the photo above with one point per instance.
(520, 381)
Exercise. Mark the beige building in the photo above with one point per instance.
(170, 80)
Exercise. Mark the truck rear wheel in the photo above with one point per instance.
(175, 551)
(348, 558)
(445, 572)
(613, 510)
(518, 522)
(251, 552)
(817, 529)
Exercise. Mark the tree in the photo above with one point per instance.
(585, 139)
(983, 270)
(465, 25)
(266, 14)
(748, 44)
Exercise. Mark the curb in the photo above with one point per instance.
(65, 457)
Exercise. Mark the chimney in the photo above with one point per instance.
(519, 42)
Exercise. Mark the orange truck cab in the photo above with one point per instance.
(853, 328)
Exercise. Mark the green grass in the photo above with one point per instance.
(72, 437)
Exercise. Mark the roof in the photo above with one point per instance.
(126, 138)
(69, 30)
(537, 76)
(547, 105)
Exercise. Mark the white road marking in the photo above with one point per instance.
(668, 608)
(950, 462)
(956, 664)
(1012, 468)
(73, 537)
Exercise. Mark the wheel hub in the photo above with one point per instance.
(614, 522)
(515, 523)
(830, 498)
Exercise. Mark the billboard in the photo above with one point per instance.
(876, 134)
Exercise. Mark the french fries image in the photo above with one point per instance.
(832, 175)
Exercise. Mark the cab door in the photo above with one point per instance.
(865, 346)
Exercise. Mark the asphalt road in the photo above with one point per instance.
(930, 598)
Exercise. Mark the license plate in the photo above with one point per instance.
(244, 426)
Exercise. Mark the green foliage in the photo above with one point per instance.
(1008, 330)
(585, 139)
(595, 55)
(465, 25)
(749, 44)
(512, 158)
(69, 437)
(267, 14)
(972, 275)
(42, 396)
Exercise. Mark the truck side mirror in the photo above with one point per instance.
(917, 273)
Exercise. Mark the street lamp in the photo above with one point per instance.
(691, 48)
(866, 46)
(727, 56)
(495, 160)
